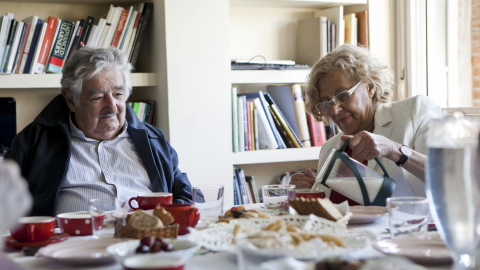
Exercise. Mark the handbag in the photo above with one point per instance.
(387, 186)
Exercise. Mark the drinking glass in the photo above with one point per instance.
(408, 217)
(106, 211)
(453, 185)
(276, 198)
(208, 199)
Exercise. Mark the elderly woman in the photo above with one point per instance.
(353, 89)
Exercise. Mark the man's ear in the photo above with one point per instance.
(70, 103)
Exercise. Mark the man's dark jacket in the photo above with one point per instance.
(43, 151)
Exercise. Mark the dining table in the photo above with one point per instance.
(206, 259)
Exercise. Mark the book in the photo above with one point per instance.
(234, 120)
(300, 115)
(241, 126)
(282, 131)
(252, 124)
(139, 8)
(60, 47)
(97, 31)
(35, 26)
(150, 117)
(248, 126)
(6, 21)
(53, 43)
(107, 42)
(311, 40)
(87, 29)
(241, 186)
(130, 35)
(120, 28)
(77, 35)
(21, 48)
(282, 96)
(8, 46)
(335, 16)
(252, 186)
(108, 22)
(236, 189)
(37, 48)
(317, 131)
(362, 28)
(283, 121)
(141, 111)
(141, 33)
(276, 133)
(266, 139)
(17, 48)
(136, 107)
(350, 29)
(46, 45)
(128, 27)
(255, 128)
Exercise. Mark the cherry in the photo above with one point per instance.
(167, 246)
(142, 249)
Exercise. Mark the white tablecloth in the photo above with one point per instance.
(208, 260)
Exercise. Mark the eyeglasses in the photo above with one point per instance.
(339, 99)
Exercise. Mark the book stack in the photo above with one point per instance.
(244, 188)
(275, 119)
(145, 111)
(36, 46)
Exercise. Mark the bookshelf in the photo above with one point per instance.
(185, 66)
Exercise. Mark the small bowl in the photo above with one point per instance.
(152, 262)
(181, 248)
(76, 223)
(309, 194)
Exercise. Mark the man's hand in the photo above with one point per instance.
(303, 181)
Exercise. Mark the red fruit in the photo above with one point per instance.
(167, 246)
(142, 249)
(157, 247)
(148, 241)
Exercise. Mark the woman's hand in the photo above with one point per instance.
(303, 181)
(367, 146)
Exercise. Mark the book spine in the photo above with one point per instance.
(5, 36)
(47, 43)
(281, 130)
(265, 133)
(128, 25)
(283, 121)
(235, 188)
(317, 131)
(18, 48)
(241, 133)
(120, 26)
(252, 124)
(8, 47)
(86, 31)
(281, 144)
(241, 191)
(60, 47)
(38, 48)
(76, 38)
(249, 126)
(243, 187)
(300, 115)
(20, 63)
(146, 15)
(234, 120)
(255, 128)
(33, 45)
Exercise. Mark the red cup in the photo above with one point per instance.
(78, 223)
(185, 215)
(152, 262)
(309, 194)
(149, 201)
(34, 229)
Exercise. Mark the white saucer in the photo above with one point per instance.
(81, 252)
(423, 251)
(366, 214)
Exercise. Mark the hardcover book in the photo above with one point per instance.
(60, 47)
(142, 29)
(35, 26)
(86, 32)
(300, 114)
(335, 16)
(21, 48)
(283, 121)
(317, 131)
(77, 35)
(33, 64)
(46, 45)
(120, 28)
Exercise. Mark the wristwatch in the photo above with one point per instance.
(406, 153)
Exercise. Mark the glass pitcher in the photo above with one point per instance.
(453, 185)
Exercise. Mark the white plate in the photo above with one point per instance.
(423, 251)
(81, 252)
(366, 214)
(181, 248)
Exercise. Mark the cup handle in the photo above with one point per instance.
(30, 232)
(194, 215)
(130, 203)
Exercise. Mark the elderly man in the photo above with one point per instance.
(87, 143)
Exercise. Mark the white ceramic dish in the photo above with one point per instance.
(366, 214)
(181, 248)
(81, 252)
(423, 251)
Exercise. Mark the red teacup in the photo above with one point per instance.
(309, 194)
(185, 215)
(78, 223)
(149, 201)
(34, 229)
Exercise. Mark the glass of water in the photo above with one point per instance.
(276, 198)
(208, 199)
(105, 212)
(453, 185)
